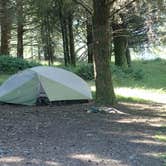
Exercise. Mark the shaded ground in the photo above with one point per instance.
(69, 136)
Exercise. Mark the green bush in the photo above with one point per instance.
(129, 73)
(138, 74)
(85, 71)
(10, 64)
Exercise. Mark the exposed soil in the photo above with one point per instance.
(70, 136)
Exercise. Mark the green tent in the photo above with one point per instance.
(54, 83)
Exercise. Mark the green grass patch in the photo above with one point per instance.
(161, 137)
(131, 99)
(143, 74)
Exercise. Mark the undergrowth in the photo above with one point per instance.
(147, 75)
(11, 65)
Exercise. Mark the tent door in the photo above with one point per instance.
(42, 98)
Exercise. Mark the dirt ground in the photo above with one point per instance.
(70, 136)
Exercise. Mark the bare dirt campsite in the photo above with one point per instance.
(82, 83)
(71, 136)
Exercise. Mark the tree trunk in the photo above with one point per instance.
(128, 57)
(5, 28)
(65, 41)
(101, 32)
(47, 39)
(44, 37)
(64, 34)
(120, 51)
(49, 42)
(71, 40)
(20, 30)
(39, 52)
(89, 29)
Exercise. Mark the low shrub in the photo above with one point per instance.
(83, 70)
(10, 64)
(119, 74)
(86, 72)
(138, 74)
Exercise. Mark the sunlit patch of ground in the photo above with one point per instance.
(89, 158)
(149, 95)
(157, 96)
(11, 159)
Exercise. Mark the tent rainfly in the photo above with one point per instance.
(56, 84)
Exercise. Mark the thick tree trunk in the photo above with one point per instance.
(101, 32)
(71, 40)
(5, 28)
(5, 37)
(89, 29)
(20, 30)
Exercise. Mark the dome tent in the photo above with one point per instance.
(56, 84)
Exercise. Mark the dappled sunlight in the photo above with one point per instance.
(155, 122)
(147, 141)
(152, 154)
(52, 163)
(92, 157)
(127, 120)
(119, 138)
(93, 88)
(20, 160)
(142, 94)
(12, 159)
(86, 157)
(145, 106)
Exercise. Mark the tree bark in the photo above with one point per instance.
(89, 29)
(121, 50)
(20, 29)
(20, 32)
(5, 28)
(128, 57)
(101, 32)
(47, 39)
(49, 42)
(64, 31)
(44, 37)
(71, 39)
(65, 41)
